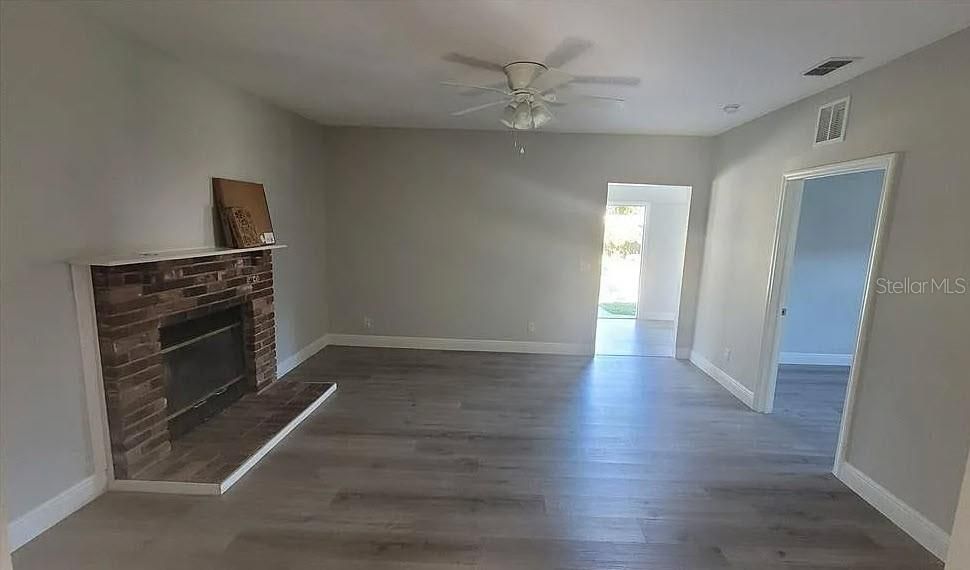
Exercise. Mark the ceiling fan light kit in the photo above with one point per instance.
(540, 115)
(508, 115)
(525, 115)
(531, 86)
(522, 119)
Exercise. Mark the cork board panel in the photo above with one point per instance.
(248, 196)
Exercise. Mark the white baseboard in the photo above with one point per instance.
(656, 316)
(932, 537)
(432, 343)
(163, 487)
(724, 379)
(818, 359)
(475, 345)
(303, 354)
(31, 524)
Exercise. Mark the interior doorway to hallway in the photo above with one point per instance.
(644, 244)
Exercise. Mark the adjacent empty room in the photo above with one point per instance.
(824, 291)
(641, 271)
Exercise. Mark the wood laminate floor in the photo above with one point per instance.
(428, 460)
(634, 337)
(809, 401)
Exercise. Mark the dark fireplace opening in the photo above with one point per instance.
(204, 366)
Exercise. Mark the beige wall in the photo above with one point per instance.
(109, 146)
(911, 426)
(452, 234)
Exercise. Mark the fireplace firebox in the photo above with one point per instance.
(204, 368)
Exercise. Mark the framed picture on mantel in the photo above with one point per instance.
(244, 213)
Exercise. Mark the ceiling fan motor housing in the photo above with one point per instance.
(521, 74)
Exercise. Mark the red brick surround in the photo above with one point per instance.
(132, 302)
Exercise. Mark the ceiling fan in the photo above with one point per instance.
(530, 87)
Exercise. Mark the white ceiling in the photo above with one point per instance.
(378, 63)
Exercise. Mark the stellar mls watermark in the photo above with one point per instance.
(932, 286)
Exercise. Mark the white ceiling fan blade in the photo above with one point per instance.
(470, 86)
(583, 99)
(472, 61)
(477, 89)
(550, 79)
(568, 50)
(608, 80)
(601, 98)
(479, 108)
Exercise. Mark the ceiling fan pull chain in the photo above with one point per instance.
(516, 145)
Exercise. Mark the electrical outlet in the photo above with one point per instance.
(531, 327)
(727, 354)
(368, 323)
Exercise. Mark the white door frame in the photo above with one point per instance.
(786, 229)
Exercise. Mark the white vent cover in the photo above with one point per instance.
(832, 118)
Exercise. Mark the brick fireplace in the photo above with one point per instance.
(135, 304)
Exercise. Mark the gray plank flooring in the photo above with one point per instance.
(809, 400)
(432, 460)
(635, 337)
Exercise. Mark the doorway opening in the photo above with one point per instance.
(827, 246)
(644, 245)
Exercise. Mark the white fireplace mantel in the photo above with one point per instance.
(164, 255)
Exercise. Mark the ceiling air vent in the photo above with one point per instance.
(832, 118)
(829, 65)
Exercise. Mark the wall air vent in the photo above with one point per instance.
(832, 118)
(829, 65)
